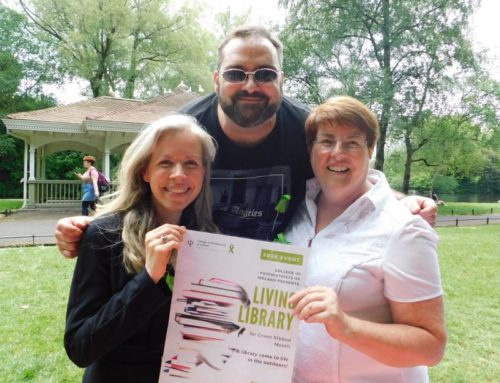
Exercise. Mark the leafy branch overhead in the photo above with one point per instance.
(132, 48)
(405, 59)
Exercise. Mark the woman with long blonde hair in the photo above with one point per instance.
(120, 300)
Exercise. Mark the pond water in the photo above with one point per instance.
(469, 197)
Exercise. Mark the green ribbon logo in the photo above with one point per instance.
(282, 204)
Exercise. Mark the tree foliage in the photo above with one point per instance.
(65, 164)
(469, 116)
(127, 47)
(25, 62)
(11, 73)
(489, 178)
(457, 152)
(12, 148)
(390, 54)
(24, 68)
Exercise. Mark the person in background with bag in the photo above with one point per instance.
(90, 188)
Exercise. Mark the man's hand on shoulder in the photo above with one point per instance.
(69, 232)
(423, 206)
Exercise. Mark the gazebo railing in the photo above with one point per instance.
(55, 193)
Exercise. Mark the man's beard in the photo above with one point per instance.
(248, 115)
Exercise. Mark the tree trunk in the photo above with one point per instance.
(409, 158)
(132, 70)
(384, 122)
(388, 86)
(95, 85)
(98, 84)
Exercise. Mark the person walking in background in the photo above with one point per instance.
(372, 310)
(119, 300)
(90, 189)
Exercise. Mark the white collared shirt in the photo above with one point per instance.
(376, 250)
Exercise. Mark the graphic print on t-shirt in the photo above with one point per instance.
(245, 201)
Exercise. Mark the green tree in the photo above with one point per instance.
(24, 59)
(489, 177)
(11, 73)
(454, 147)
(12, 148)
(387, 53)
(63, 165)
(24, 68)
(469, 117)
(451, 151)
(117, 44)
(167, 49)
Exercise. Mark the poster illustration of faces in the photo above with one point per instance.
(230, 320)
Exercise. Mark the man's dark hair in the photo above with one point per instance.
(250, 32)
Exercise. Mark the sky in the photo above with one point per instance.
(485, 32)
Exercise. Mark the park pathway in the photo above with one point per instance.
(467, 220)
(31, 227)
(36, 227)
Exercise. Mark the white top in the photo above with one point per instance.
(375, 251)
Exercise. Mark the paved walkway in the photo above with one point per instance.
(467, 220)
(36, 227)
(31, 227)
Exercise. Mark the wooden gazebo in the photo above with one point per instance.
(99, 127)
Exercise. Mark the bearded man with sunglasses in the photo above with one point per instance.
(262, 164)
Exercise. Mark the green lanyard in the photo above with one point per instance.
(170, 281)
(282, 205)
(170, 276)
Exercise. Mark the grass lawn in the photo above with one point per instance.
(469, 208)
(451, 208)
(470, 261)
(35, 283)
(10, 204)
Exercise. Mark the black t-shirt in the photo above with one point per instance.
(248, 183)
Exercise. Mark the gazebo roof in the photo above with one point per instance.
(98, 125)
(150, 110)
(79, 111)
(109, 109)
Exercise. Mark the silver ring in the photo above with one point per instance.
(164, 238)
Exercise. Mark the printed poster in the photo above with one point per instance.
(230, 320)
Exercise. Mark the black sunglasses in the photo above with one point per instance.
(260, 75)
